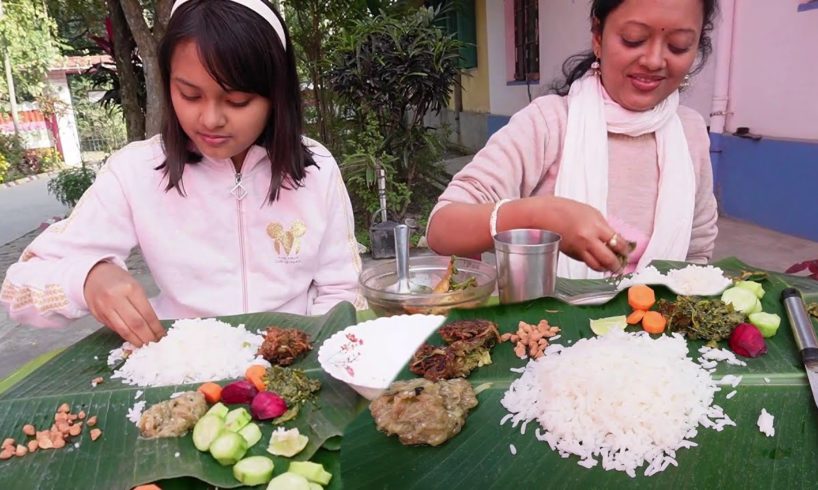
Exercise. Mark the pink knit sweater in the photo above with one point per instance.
(523, 158)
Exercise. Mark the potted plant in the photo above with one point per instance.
(70, 184)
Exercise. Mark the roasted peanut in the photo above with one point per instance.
(81, 415)
(6, 453)
(95, 434)
(32, 446)
(64, 408)
(92, 421)
(75, 430)
(20, 451)
(7, 442)
(29, 430)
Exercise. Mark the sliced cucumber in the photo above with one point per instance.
(313, 472)
(228, 448)
(287, 443)
(752, 286)
(766, 323)
(315, 486)
(220, 410)
(756, 308)
(742, 299)
(236, 419)
(254, 470)
(206, 430)
(251, 433)
(289, 481)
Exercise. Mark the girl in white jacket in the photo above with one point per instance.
(233, 210)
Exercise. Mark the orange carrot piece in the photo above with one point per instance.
(255, 374)
(654, 322)
(635, 317)
(211, 391)
(641, 297)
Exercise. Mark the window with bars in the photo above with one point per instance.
(526, 40)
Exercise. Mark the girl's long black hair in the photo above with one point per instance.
(242, 52)
(578, 65)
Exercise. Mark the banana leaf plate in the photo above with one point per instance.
(120, 459)
(481, 456)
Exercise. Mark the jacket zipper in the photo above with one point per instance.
(240, 193)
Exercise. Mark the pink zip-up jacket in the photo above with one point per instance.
(218, 250)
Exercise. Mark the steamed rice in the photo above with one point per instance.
(623, 400)
(193, 351)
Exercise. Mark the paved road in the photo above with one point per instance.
(24, 207)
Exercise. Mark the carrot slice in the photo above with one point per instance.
(211, 391)
(255, 374)
(635, 317)
(641, 297)
(654, 322)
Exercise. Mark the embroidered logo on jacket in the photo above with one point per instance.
(287, 243)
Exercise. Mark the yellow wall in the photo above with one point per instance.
(476, 81)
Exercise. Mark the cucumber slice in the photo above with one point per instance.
(756, 308)
(254, 470)
(287, 443)
(236, 419)
(752, 286)
(742, 299)
(206, 430)
(220, 410)
(251, 433)
(228, 448)
(313, 472)
(315, 486)
(766, 323)
(289, 481)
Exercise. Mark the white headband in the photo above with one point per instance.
(256, 6)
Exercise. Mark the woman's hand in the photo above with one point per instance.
(586, 235)
(118, 301)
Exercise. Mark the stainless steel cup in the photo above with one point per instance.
(526, 264)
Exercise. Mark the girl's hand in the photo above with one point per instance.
(118, 301)
(586, 235)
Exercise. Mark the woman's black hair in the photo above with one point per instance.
(241, 51)
(577, 65)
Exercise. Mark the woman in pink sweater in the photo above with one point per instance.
(233, 210)
(611, 158)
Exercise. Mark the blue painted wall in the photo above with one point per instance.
(772, 183)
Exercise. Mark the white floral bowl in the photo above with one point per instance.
(369, 355)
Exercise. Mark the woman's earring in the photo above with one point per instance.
(686, 82)
(595, 67)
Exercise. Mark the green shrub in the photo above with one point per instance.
(70, 184)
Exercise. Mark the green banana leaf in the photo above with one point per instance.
(120, 459)
(480, 456)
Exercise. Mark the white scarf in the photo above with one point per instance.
(583, 172)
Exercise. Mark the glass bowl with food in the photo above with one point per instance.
(437, 285)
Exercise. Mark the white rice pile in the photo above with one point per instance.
(718, 355)
(193, 351)
(765, 423)
(622, 400)
(696, 279)
(648, 275)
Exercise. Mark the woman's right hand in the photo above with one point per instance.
(586, 235)
(119, 302)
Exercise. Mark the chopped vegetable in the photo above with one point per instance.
(313, 472)
(754, 287)
(254, 470)
(211, 391)
(707, 319)
(743, 300)
(635, 317)
(267, 405)
(206, 430)
(236, 419)
(228, 448)
(602, 326)
(239, 392)
(251, 433)
(287, 443)
(641, 297)
(291, 384)
(282, 346)
(255, 374)
(747, 341)
(219, 410)
(654, 322)
(767, 323)
(289, 481)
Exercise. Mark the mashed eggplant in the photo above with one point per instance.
(174, 417)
